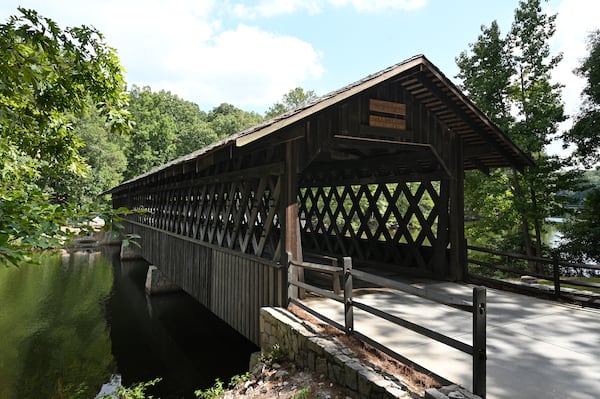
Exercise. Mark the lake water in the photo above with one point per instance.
(70, 322)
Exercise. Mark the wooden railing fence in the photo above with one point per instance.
(554, 269)
(477, 308)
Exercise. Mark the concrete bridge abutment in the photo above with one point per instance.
(158, 283)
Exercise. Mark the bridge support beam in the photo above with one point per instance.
(458, 246)
(291, 222)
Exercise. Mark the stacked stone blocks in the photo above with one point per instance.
(324, 355)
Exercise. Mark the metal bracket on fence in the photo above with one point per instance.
(479, 341)
(348, 308)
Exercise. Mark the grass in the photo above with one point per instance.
(303, 394)
(218, 389)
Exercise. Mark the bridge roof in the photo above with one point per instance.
(418, 77)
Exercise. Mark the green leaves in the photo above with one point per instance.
(581, 234)
(509, 79)
(49, 78)
(46, 77)
(167, 127)
(293, 99)
(585, 133)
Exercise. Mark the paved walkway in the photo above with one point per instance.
(536, 348)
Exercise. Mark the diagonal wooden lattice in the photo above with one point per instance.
(238, 215)
(388, 223)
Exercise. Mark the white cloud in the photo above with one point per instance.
(182, 47)
(246, 66)
(380, 5)
(269, 8)
(193, 48)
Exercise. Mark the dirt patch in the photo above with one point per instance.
(283, 380)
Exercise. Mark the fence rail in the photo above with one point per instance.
(477, 308)
(553, 269)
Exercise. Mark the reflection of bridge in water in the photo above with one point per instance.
(373, 171)
(168, 336)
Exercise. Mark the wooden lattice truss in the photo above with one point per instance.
(239, 215)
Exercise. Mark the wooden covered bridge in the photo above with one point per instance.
(373, 171)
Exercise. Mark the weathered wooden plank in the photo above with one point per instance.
(387, 122)
(387, 107)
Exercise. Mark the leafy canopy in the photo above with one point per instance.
(509, 79)
(167, 127)
(292, 99)
(585, 133)
(49, 77)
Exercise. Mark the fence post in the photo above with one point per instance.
(292, 290)
(556, 274)
(479, 341)
(348, 309)
(282, 293)
(466, 258)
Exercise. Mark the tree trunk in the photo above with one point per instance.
(524, 221)
(538, 228)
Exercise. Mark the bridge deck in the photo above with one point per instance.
(536, 348)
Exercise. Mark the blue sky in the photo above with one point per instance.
(250, 53)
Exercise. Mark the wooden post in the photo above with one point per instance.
(556, 275)
(291, 226)
(479, 341)
(282, 284)
(348, 309)
(458, 261)
(440, 266)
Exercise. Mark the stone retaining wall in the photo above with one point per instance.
(324, 355)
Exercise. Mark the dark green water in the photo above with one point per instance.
(70, 322)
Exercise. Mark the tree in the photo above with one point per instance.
(167, 127)
(487, 73)
(48, 75)
(581, 234)
(486, 76)
(152, 139)
(510, 80)
(540, 110)
(48, 78)
(585, 133)
(293, 99)
(227, 119)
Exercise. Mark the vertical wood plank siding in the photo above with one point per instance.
(232, 285)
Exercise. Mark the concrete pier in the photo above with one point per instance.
(158, 283)
(128, 252)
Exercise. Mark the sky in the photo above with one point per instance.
(250, 53)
